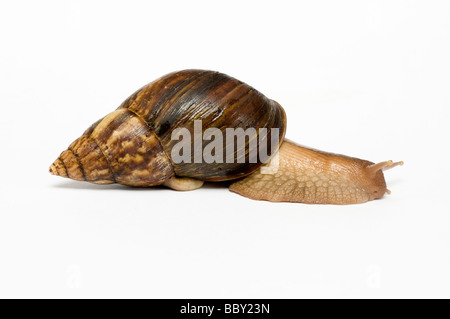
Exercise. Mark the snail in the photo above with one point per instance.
(135, 146)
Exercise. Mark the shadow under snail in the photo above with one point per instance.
(133, 146)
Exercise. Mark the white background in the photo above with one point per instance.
(364, 78)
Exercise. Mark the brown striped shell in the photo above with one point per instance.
(133, 145)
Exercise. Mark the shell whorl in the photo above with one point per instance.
(120, 148)
(219, 101)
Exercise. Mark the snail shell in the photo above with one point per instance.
(133, 145)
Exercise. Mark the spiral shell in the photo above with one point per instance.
(133, 145)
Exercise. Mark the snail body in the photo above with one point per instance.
(135, 146)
